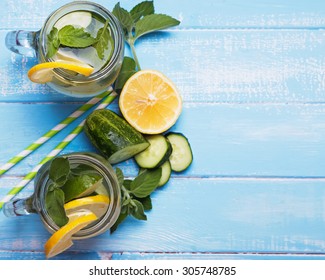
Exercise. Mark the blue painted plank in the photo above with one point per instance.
(214, 256)
(77, 255)
(273, 66)
(242, 216)
(200, 14)
(252, 79)
(34, 255)
(255, 140)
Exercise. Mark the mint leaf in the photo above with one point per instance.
(54, 202)
(127, 70)
(104, 41)
(126, 201)
(51, 186)
(142, 9)
(119, 220)
(59, 171)
(120, 176)
(146, 202)
(124, 18)
(138, 210)
(53, 42)
(71, 36)
(154, 22)
(145, 183)
(127, 184)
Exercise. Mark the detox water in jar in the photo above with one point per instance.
(85, 33)
(81, 32)
(84, 167)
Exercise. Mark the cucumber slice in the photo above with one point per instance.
(80, 19)
(80, 186)
(166, 171)
(156, 154)
(182, 155)
(67, 55)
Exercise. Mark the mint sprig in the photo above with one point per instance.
(53, 42)
(104, 41)
(142, 9)
(54, 200)
(127, 70)
(141, 20)
(59, 171)
(136, 194)
(75, 37)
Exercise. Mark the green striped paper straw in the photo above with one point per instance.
(30, 176)
(48, 135)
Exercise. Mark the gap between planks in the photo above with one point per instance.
(180, 255)
(222, 177)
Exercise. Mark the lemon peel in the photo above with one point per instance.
(43, 72)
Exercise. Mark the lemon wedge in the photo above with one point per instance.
(43, 72)
(98, 204)
(61, 239)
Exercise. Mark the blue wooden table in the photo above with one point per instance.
(252, 77)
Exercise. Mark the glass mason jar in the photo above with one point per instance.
(36, 202)
(33, 44)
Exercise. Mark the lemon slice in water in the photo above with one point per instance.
(43, 72)
(98, 204)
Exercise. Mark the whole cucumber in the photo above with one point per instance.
(113, 136)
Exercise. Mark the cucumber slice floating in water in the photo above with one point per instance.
(80, 19)
(156, 154)
(182, 156)
(82, 185)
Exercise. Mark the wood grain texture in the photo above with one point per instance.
(255, 140)
(260, 216)
(77, 255)
(197, 14)
(246, 66)
(251, 75)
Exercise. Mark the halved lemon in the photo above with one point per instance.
(150, 102)
(98, 204)
(61, 239)
(43, 72)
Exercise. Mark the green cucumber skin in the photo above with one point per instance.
(162, 160)
(169, 136)
(167, 154)
(109, 133)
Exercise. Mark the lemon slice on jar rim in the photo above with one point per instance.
(61, 240)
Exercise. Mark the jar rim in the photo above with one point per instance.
(116, 30)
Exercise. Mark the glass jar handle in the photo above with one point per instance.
(22, 42)
(19, 207)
